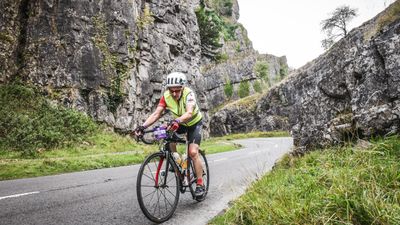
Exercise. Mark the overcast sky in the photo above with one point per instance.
(292, 27)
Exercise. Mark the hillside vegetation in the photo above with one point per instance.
(348, 185)
(40, 138)
(30, 124)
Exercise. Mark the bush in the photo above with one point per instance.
(228, 89)
(262, 71)
(210, 26)
(228, 30)
(221, 57)
(244, 89)
(257, 86)
(29, 123)
(283, 72)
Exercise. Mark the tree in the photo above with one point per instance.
(336, 26)
(210, 26)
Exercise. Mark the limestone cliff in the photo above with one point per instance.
(351, 91)
(109, 58)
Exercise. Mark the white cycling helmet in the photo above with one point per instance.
(175, 79)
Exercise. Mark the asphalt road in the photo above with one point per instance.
(108, 196)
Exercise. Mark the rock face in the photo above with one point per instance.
(237, 71)
(350, 91)
(109, 58)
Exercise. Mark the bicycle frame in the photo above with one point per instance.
(165, 149)
(156, 183)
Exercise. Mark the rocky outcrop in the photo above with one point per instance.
(350, 91)
(236, 71)
(109, 58)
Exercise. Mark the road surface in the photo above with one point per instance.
(108, 196)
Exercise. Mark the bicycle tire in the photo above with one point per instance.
(193, 178)
(146, 188)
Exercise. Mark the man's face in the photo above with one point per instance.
(175, 92)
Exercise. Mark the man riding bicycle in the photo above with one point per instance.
(181, 102)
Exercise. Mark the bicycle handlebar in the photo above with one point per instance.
(171, 137)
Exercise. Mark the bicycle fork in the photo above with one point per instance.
(162, 173)
(158, 172)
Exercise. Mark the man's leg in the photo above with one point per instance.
(172, 147)
(195, 156)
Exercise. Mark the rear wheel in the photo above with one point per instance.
(157, 189)
(193, 178)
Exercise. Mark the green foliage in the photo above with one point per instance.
(391, 14)
(244, 34)
(6, 38)
(262, 71)
(228, 88)
(349, 185)
(103, 149)
(225, 7)
(118, 71)
(283, 72)
(213, 25)
(228, 30)
(28, 123)
(210, 26)
(146, 18)
(222, 7)
(221, 57)
(238, 47)
(116, 95)
(244, 89)
(257, 86)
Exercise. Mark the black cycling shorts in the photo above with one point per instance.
(193, 132)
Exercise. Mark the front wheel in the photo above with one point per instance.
(157, 189)
(191, 173)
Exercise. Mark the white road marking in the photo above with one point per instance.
(19, 195)
(222, 159)
(255, 152)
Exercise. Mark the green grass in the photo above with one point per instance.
(40, 138)
(347, 185)
(29, 123)
(102, 150)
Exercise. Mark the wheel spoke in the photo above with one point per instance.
(150, 194)
(157, 204)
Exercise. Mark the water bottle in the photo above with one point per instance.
(185, 181)
(177, 158)
(184, 161)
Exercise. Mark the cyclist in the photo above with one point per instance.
(181, 102)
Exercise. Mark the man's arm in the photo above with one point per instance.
(190, 106)
(154, 116)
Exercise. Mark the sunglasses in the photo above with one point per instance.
(175, 91)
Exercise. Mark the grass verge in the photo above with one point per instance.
(102, 150)
(348, 185)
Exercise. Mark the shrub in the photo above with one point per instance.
(228, 89)
(228, 30)
(210, 26)
(261, 69)
(244, 89)
(222, 7)
(221, 57)
(283, 71)
(257, 86)
(29, 123)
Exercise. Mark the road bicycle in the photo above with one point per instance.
(161, 178)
